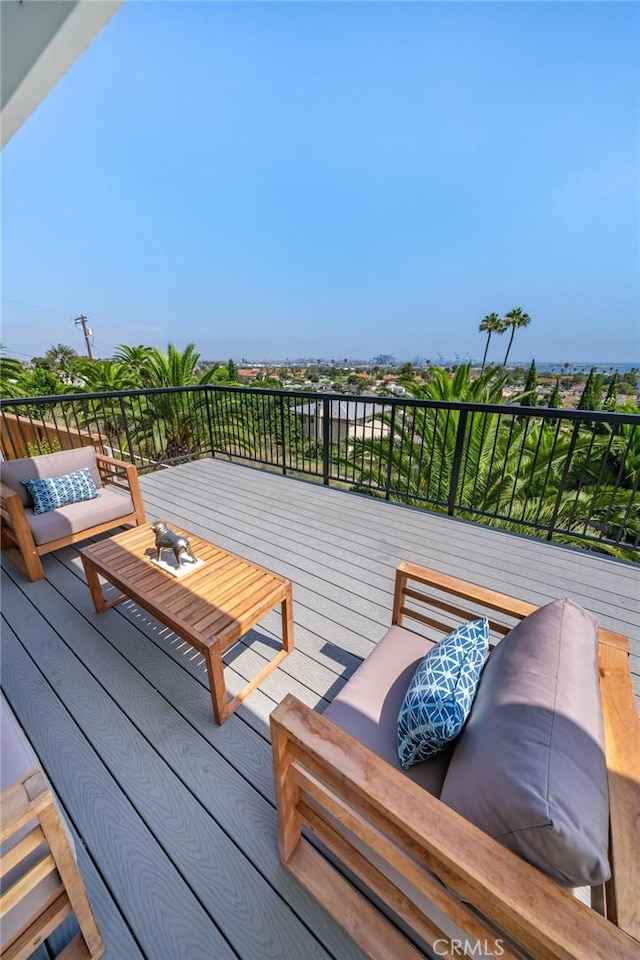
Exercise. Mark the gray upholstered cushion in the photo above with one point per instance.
(17, 757)
(367, 707)
(529, 767)
(76, 517)
(49, 465)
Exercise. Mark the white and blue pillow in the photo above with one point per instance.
(49, 493)
(441, 693)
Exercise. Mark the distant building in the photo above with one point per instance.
(349, 420)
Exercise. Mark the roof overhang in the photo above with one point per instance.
(40, 40)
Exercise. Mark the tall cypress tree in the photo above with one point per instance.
(590, 399)
(530, 395)
(612, 393)
(555, 400)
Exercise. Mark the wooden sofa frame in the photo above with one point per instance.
(17, 541)
(27, 800)
(350, 799)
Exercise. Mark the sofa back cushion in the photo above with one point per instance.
(49, 465)
(529, 767)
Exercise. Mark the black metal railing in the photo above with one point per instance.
(565, 475)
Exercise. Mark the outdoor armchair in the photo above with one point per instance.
(69, 496)
(372, 841)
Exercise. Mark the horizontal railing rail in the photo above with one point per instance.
(566, 475)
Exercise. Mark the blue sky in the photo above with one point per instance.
(336, 180)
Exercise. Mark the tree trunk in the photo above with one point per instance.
(506, 356)
(485, 352)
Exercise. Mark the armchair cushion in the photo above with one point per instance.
(49, 465)
(441, 693)
(367, 706)
(529, 767)
(76, 517)
(49, 493)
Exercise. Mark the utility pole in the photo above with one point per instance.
(87, 333)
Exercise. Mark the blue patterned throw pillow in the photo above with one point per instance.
(49, 493)
(441, 692)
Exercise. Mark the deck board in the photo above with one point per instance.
(174, 816)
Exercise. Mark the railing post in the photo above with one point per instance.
(282, 443)
(326, 438)
(392, 435)
(457, 461)
(563, 479)
(125, 420)
(208, 397)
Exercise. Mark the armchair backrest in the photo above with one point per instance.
(48, 465)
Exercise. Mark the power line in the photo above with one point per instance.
(32, 306)
(17, 353)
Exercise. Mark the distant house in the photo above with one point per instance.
(349, 420)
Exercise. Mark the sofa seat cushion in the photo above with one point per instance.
(18, 756)
(367, 707)
(49, 465)
(529, 767)
(75, 517)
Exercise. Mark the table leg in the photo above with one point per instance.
(287, 621)
(216, 683)
(94, 585)
(95, 588)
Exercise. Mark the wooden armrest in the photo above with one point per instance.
(23, 801)
(122, 465)
(622, 739)
(7, 494)
(122, 474)
(320, 767)
(471, 594)
(31, 799)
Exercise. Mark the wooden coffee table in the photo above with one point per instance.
(211, 608)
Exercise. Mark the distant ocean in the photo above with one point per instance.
(585, 367)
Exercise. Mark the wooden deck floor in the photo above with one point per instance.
(174, 816)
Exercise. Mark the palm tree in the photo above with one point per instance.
(61, 358)
(492, 323)
(137, 362)
(515, 319)
(174, 422)
(421, 447)
(104, 376)
(107, 415)
(512, 469)
(11, 375)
